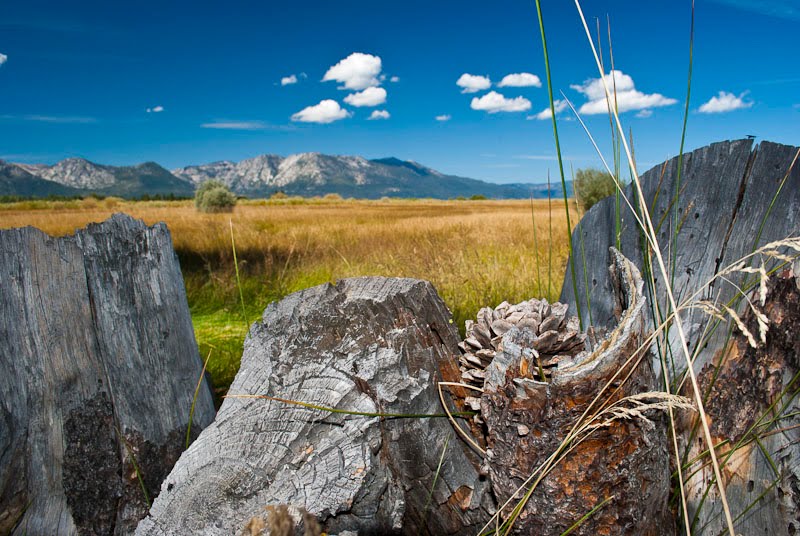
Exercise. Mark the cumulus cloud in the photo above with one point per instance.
(3, 58)
(520, 80)
(155, 110)
(379, 114)
(559, 105)
(236, 125)
(644, 113)
(394, 79)
(494, 102)
(627, 96)
(357, 71)
(725, 102)
(444, 117)
(288, 80)
(471, 83)
(372, 96)
(327, 111)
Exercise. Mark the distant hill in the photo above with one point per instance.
(306, 174)
(125, 181)
(311, 174)
(16, 181)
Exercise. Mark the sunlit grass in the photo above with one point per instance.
(476, 253)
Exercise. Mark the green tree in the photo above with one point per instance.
(591, 185)
(213, 196)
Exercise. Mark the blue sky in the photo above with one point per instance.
(193, 82)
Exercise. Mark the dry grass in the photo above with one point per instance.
(476, 253)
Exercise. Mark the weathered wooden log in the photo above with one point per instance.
(371, 345)
(619, 465)
(752, 401)
(98, 368)
(725, 195)
(731, 200)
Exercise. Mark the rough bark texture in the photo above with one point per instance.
(751, 388)
(725, 195)
(98, 363)
(369, 345)
(527, 420)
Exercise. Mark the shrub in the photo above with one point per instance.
(213, 196)
(478, 197)
(591, 185)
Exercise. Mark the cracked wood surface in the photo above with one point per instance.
(370, 345)
(95, 338)
(726, 191)
(526, 421)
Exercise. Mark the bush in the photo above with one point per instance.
(478, 197)
(213, 196)
(591, 185)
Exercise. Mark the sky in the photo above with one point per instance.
(459, 86)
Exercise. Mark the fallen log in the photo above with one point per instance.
(98, 368)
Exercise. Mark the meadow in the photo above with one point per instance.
(476, 253)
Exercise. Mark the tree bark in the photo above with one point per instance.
(732, 199)
(625, 462)
(370, 345)
(98, 367)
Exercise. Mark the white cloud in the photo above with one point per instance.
(394, 79)
(288, 80)
(725, 102)
(627, 96)
(357, 71)
(559, 105)
(236, 125)
(644, 113)
(379, 114)
(372, 96)
(3, 58)
(494, 102)
(520, 80)
(473, 83)
(59, 119)
(155, 110)
(444, 117)
(327, 111)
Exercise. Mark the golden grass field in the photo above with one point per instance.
(475, 253)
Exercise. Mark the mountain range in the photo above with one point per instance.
(306, 174)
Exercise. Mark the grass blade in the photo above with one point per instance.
(560, 160)
(671, 298)
(194, 399)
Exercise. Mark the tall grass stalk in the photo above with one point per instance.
(676, 212)
(536, 250)
(238, 280)
(194, 399)
(560, 160)
(668, 288)
(550, 233)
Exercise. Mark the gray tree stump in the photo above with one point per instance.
(371, 345)
(98, 367)
(726, 211)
